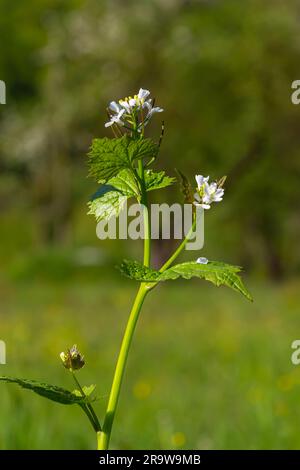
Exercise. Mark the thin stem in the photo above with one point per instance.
(147, 236)
(147, 227)
(104, 435)
(180, 248)
(88, 406)
(88, 414)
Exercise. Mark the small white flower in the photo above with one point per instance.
(136, 110)
(206, 192)
(213, 193)
(116, 119)
(202, 260)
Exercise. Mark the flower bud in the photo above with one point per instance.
(72, 359)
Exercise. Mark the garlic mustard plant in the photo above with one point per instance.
(123, 167)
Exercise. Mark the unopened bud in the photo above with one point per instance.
(72, 359)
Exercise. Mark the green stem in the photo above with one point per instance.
(88, 414)
(99, 439)
(147, 226)
(147, 236)
(104, 435)
(179, 249)
(88, 408)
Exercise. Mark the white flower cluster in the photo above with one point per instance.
(136, 111)
(206, 192)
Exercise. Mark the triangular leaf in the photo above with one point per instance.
(52, 392)
(216, 272)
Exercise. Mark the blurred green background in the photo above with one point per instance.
(207, 369)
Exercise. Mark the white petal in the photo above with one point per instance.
(199, 180)
(120, 114)
(118, 121)
(143, 94)
(213, 187)
(156, 109)
(124, 104)
(202, 260)
(114, 106)
(220, 192)
(206, 198)
(148, 104)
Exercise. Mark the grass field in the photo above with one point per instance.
(207, 368)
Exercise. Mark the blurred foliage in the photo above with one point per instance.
(222, 70)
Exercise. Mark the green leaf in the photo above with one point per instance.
(111, 197)
(87, 390)
(108, 156)
(125, 182)
(137, 271)
(157, 180)
(52, 392)
(142, 148)
(216, 272)
(108, 205)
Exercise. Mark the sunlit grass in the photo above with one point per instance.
(207, 370)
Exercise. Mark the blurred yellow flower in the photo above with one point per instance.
(178, 439)
(142, 390)
(285, 382)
